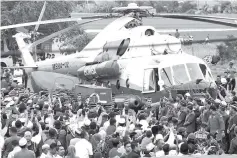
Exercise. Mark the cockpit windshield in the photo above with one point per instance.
(194, 71)
(180, 75)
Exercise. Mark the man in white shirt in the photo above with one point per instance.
(18, 73)
(84, 147)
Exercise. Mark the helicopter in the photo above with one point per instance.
(134, 60)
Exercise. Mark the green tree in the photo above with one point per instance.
(15, 12)
(227, 50)
(187, 5)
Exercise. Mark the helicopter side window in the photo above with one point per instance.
(149, 32)
(166, 76)
(123, 47)
(203, 69)
(180, 74)
(149, 83)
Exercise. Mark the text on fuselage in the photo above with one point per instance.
(57, 66)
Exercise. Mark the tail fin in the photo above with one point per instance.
(25, 49)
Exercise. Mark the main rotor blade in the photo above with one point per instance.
(94, 31)
(209, 20)
(200, 16)
(60, 32)
(41, 16)
(49, 22)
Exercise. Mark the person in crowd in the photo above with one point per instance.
(45, 150)
(231, 71)
(216, 124)
(58, 124)
(177, 34)
(7, 148)
(16, 148)
(233, 144)
(71, 152)
(84, 147)
(135, 153)
(190, 121)
(24, 152)
(114, 151)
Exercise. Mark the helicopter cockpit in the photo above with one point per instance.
(157, 79)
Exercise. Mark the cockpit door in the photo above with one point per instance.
(149, 80)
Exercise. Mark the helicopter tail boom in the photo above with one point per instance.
(25, 49)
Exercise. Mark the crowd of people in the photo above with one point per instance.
(60, 125)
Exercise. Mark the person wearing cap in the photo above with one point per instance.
(216, 123)
(231, 75)
(233, 143)
(45, 150)
(190, 120)
(24, 153)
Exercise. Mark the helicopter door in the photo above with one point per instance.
(149, 81)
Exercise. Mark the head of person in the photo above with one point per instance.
(231, 64)
(190, 108)
(218, 78)
(135, 146)
(57, 124)
(52, 133)
(61, 151)
(164, 120)
(18, 124)
(179, 97)
(166, 149)
(23, 143)
(45, 148)
(184, 148)
(213, 109)
(53, 148)
(112, 121)
(28, 136)
(13, 131)
(115, 142)
(127, 146)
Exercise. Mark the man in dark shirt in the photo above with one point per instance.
(135, 151)
(177, 34)
(233, 144)
(8, 142)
